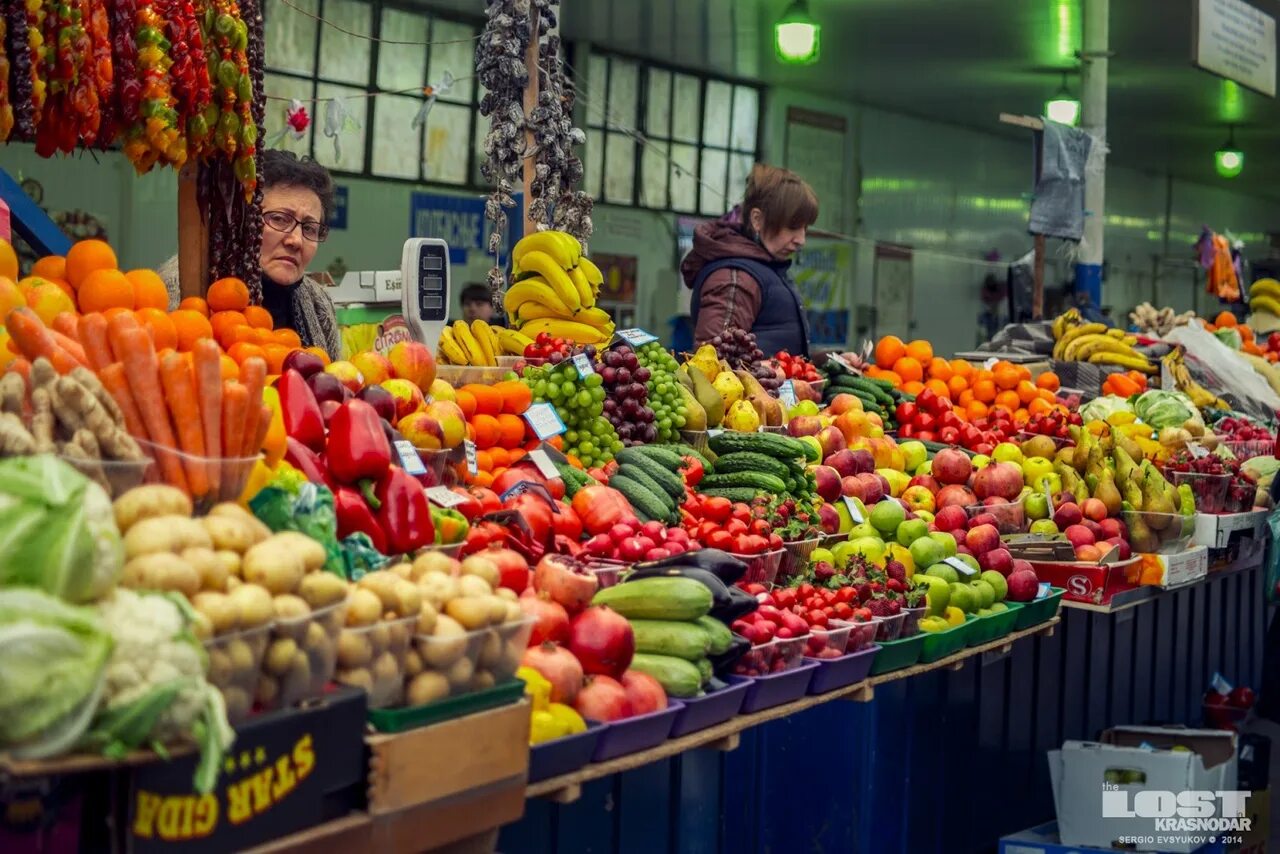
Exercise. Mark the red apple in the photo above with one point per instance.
(982, 539)
(998, 559)
(1023, 585)
(843, 462)
(951, 517)
(1111, 528)
(826, 482)
(928, 481)
(874, 488)
(851, 487)
(1121, 546)
(804, 425)
(955, 495)
(1079, 535)
(1066, 515)
(831, 440)
(918, 498)
(1094, 509)
(1088, 554)
(951, 466)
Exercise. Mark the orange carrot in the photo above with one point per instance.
(253, 373)
(65, 322)
(264, 424)
(116, 327)
(93, 336)
(34, 340)
(22, 367)
(207, 362)
(143, 372)
(180, 394)
(235, 405)
(117, 385)
(71, 345)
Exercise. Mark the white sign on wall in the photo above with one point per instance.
(1238, 41)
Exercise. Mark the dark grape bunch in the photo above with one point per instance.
(738, 347)
(626, 403)
(664, 394)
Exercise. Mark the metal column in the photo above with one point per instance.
(1093, 119)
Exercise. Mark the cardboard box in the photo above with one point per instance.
(1045, 840)
(1095, 583)
(1174, 570)
(1107, 792)
(1215, 529)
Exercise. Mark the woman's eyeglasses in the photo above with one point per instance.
(285, 223)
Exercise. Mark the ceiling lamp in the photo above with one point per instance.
(1229, 160)
(797, 36)
(1063, 108)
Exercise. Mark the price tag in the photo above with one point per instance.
(529, 486)
(443, 496)
(543, 462)
(409, 459)
(1197, 450)
(989, 363)
(1044, 590)
(636, 337)
(854, 512)
(1219, 684)
(544, 420)
(959, 566)
(713, 432)
(469, 448)
(787, 394)
(583, 364)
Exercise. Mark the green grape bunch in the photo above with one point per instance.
(664, 394)
(580, 404)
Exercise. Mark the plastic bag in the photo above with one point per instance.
(360, 557)
(292, 503)
(1225, 372)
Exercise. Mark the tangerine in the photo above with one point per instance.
(484, 461)
(488, 399)
(230, 370)
(50, 267)
(1039, 406)
(976, 409)
(1006, 376)
(1009, 400)
(287, 337)
(191, 327)
(89, 256)
(512, 430)
(149, 290)
(966, 397)
(908, 368)
(501, 456)
(276, 354)
(1049, 380)
(516, 397)
(159, 326)
(195, 304)
(258, 317)
(229, 294)
(939, 388)
(466, 402)
(102, 289)
(889, 349)
(957, 385)
(1226, 318)
(1027, 391)
(940, 369)
(487, 430)
(244, 350)
(920, 350)
(224, 324)
(984, 390)
(913, 387)
(962, 368)
(8, 260)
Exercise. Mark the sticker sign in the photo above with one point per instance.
(1045, 589)
(409, 459)
(469, 448)
(544, 420)
(1197, 450)
(713, 432)
(636, 337)
(854, 512)
(529, 486)
(443, 496)
(959, 566)
(787, 394)
(583, 364)
(543, 462)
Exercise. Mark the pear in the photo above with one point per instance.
(1107, 493)
(707, 397)
(1125, 442)
(1156, 504)
(682, 376)
(706, 361)
(729, 387)
(695, 417)
(1039, 446)
(1127, 476)
(742, 416)
(1141, 537)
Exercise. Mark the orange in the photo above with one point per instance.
(913, 387)
(1006, 376)
(1024, 373)
(1049, 380)
(501, 456)
(242, 351)
(191, 327)
(962, 368)
(1246, 332)
(961, 412)
(8, 260)
(481, 479)
(258, 317)
(1226, 318)
(487, 430)
(516, 397)
(1020, 416)
(908, 369)
(873, 371)
(484, 461)
(488, 400)
(148, 289)
(159, 326)
(1027, 391)
(891, 377)
(1009, 400)
(920, 350)
(939, 388)
(195, 304)
(976, 409)
(516, 455)
(940, 369)
(230, 370)
(984, 390)
(50, 267)
(275, 357)
(224, 324)
(228, 294)
(889, 349)
(86, 257)
(287, 337)
(102, 289)
(318, 352)
(1047, 396)
(966, 397)
(1039, 406)
(957, 385)
(512, 427)
(466, 402)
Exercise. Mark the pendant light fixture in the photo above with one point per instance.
(1229, 160)
(1063, 107)
(797, 37)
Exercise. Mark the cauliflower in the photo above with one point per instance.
(156, 690)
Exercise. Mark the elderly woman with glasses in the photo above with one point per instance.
(297, 198)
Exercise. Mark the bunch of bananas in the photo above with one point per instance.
(1176, 365)
(1077, 341)
(554, 291)
(1264, 295)
(479, 344)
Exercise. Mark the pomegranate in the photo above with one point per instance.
(565, 580)
(644, 693)
(1000, 479)
(551, 620)
(603, 698)
(512, 567)
(558, 666)
(951, 466)
(954, 494)
(602, 640)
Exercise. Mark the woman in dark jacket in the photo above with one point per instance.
(738, 267)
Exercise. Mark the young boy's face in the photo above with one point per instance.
(477, 310)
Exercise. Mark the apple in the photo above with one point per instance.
(831, 440)
(998, 560)
(843, 461)
(1007, 452)
(1112, 528)
(1095, 529)
(917, 498)
(983, 519)
(826, 482)
(954, 495)
(864, 461)
(981, 461)
(1123, 551)
(1079, 535)
(925, 515)
(1036, 506)
(1094, 509)
(950, 518)
(946, 540)
(874, 487)
(804, 425)
(1044, 527)
(951, 466)
(1023, 584)
(864, 530)
(1035, 468)
(911, 530)
(982, 539)
(913, 454)
(928, 481)
(895, 480)
(1067, 514)
(852, 487)
(1088, 553)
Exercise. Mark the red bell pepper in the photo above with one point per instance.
(358, 449)
(404, 514)
(354, 516)
(306, 461)
(301, 412)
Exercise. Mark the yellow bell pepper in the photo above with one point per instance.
(273, 444)
(568, 718)
(536, 687)
(544, 727)
(1120, 417)
(259, 477)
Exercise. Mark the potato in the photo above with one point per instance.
(279, 657)
(497, 610)
(474, 585)
(232, 534)
(219, 666)
(296, 683)
(310, 552)
(363, 608)
(427, 687)
(268, 690)
(438, 588)
(212, 571)
(482, 681)
(446, 645)
(408, 598)
(161, 571)
(233, 582)
(412, 664)
(143, 502)
(322, 589)
(242, 657)
(354, 649)
(515, 614)
(356, 678)
(507, 593)
(290, 607)
(380, 637)
(426, 619)
(386, 668)
(459, 675)
(231, 510)
(164, 534)
(404, 570)
(472, 612)
(254, 603)
(218, 608)
(399, 633)
(316, 638)
(491, 650)
(434, 563)
(382, 584)
(274, 565)
(231, 560)
(481, 567)
(238, 701)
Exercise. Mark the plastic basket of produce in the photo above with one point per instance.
(831, 642)
(412, 717)
(1239, 501)
(233, 472)
(697, 439)
(372, 658)
(1210, 490)
(608, 572)
(890, 628)
(796, 555)
(235, 663)
(761, 568)
(938, 645)
(115, 476)
(508, 362)
(981, 629)
(1039, 610)
(712, 708)
(1169, 533)
(1246, 449)
(1009, 517)
(564, 755)
(435, 461)
(1002, 622)
(835, 673)
(829, 540)
(631, 735)
(301, 657)
(895, 655)
(771, 657)
(442, 667)
(460, 375)
(788, 686)
(861, 635)
(450, 549)
(911, 622)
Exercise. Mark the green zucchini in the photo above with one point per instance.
(672, 637)
(678, 677)
(665, 598)
(718, 634)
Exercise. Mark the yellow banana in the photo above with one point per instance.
(513, 342)
(495, 346)
(452, 351)
(596, 317)
(1102, 344)
(1265, 287)
(1133, 360)
(480, 330)
(539, 311)
(534, 290)
(572, 247)
(1265, 303)
(556, 277)
(591, 271)
(462, 334)
(580, 333)
(1117, 332)
(1070, 335)
(1078, 344)
(552, 243)
(585, 294)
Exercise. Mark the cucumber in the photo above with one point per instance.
(751, 461)
(745, 494)
(671, 637)
(678, 677)
(752, 479)
(690, 451)
(717, 633)
(704, 668)
(657, 599)
(667, 479)
(665, 457)
(782, 447)
(647, 505)
(640, 476)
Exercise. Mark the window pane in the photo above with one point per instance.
(739, 170)
(352, 141)
(447, 143)
(686, 110)
(658, 120)
(684, 177)
(714, 164)
(402, 66)
(279, 87)
(653, 175)
(593, 163)
(715, 130)
(624, 89)
(458, 58)
(597, 72)
(619, 173)
(396, 146)
(746, 113)
(291, 36)
(345, 57)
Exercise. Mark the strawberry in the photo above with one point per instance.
(880, 608)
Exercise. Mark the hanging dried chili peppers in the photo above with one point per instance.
(72, 109)
(102, 72)
(124, 63)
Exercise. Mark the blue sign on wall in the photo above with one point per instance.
(458, 221)
(338, 216)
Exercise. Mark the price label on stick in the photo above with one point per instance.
(855, 512)
(787, 394)
(713, 432)
(959, 566)
(469, 448)
(543, 463)
(1044, 590)
(409, 459)
(544, 420)
(583, 364)
(1197, 450)
(635, 336)
(443, 496)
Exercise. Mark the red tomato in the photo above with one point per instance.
(736, 526)
(761, 527)
(722, 540)
(716, 509)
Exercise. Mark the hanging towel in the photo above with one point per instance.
(1058, 207)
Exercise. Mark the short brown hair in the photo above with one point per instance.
(782, 196)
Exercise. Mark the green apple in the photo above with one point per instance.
(913, 455)
(1036, 505)
(984, 612)
(945, 540)
(1007, 452)
(998, 607)
(925, 515)
(871, 548)
(1044, 527)
(898, 480)
(911, 530)
(1034, 468)
(937, 595)
(943, 572)
(964, 597)
(821, 554)
(980, 461)
(804, 407)
(925, 467)
(986, 593)
(866, 529)
(926, 552)
(997, 582)
(887, 516)
(1050, 483)
(842, 552)
(970, 561)
(842, 512)
(933, 624)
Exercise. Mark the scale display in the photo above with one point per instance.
(424, 265)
